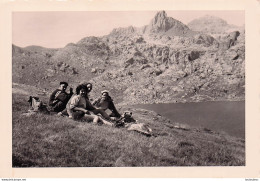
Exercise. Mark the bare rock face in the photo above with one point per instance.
(127, 31)
(204, 39)
(229, 40)
(164, 61)
(193, 55)
(163, 24)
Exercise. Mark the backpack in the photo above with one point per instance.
(36, 105)
(125, 119)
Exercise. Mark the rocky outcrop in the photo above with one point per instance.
(229, 40)
(163, 24)
(126, 31)
(203, 39)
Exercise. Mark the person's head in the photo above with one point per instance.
(104, 94)
(127, 114)
(63, 86)
(81, 90)
(88, 85)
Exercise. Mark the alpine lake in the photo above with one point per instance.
(220, 116)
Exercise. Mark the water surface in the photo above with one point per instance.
(219, 116)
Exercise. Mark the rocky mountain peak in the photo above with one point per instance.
(161, 23)
(160, 15)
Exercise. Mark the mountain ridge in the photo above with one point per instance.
(211, 24)
(141, 66)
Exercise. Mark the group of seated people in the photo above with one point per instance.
(78, 106)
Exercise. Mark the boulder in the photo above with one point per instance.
(229, 40)
(193, 55)
(139, 40)
(203, 39)
(50, 72)
(73, 71)
(130, 73)
(130, 61)
(158, 72)
(93, 70)
(145, 66)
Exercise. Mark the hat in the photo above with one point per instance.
(64, 83)
(104, 91)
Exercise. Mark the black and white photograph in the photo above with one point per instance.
(128, 88)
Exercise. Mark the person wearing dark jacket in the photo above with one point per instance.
(106, 102)
(59, 98)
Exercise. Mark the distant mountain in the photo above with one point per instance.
(34, 48)
(211, 24)
(164, 61)
(161, 24)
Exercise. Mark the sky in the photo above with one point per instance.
(57, 29)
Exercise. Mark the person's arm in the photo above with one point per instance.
(52, 100)
(89, 106)
(81, 109)
(74, 105)
(96, 102)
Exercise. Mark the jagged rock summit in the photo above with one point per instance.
(163, 24)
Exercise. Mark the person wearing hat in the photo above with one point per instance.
(106, 102)
(59, 98)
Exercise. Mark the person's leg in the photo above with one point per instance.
(64, 113)
(89, 118)
(77, 115)
(102, 112)
(105, 121)
(60, 106)
(69, 112)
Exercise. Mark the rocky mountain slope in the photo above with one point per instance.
(164, 61)
(212, 25)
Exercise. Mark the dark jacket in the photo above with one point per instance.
(110, 105)
(59, 96)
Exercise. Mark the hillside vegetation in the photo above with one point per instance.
(52, 141)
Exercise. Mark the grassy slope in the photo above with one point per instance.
(52, 141)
